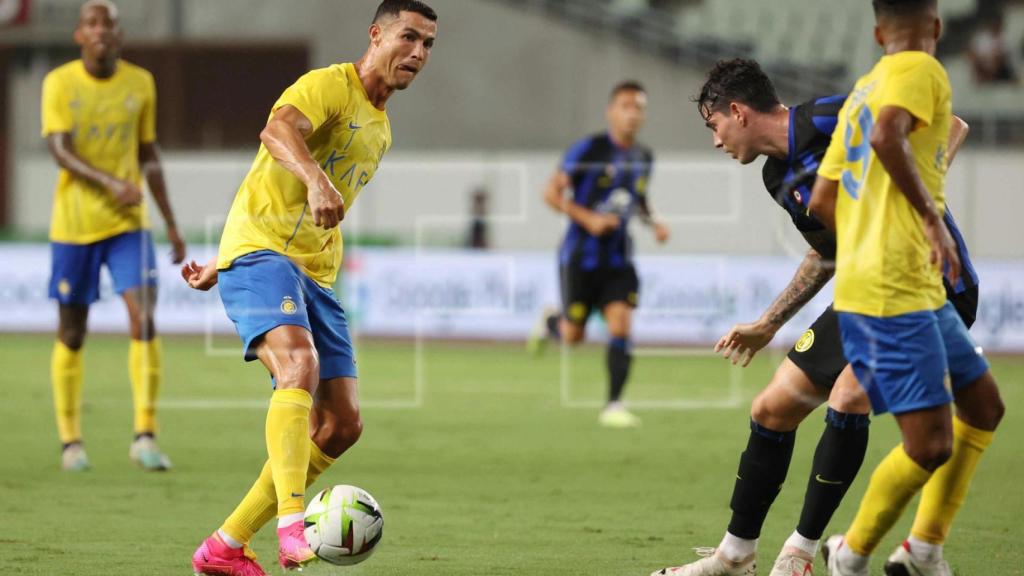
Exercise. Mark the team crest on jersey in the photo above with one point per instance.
(131, 103)
(806, 341)
(288, 305)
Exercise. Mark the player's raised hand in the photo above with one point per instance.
(200, 277)
(743, 342)
(600, 223)
(943, 248)
(126, 193)
(326, 203)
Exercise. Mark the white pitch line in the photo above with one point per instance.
(211, 404)
(237, 404)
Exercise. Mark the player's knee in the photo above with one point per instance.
(335, 437)
(759, 409)
(72, 336)
(300, 368)
(764, 411)
(980, 405)
(997, 411)
(850, 400)
(931, 454)
(571, 333)
(984, 416)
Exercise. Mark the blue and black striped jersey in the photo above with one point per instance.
(790, 180)
(610, 179)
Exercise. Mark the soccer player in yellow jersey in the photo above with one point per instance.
(881, 186)
(279, 256)
(99, 119)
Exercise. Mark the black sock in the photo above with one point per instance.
(763, 467)
(620, 356)
(554, 331)
(837, 459)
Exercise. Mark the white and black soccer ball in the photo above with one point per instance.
(344, 524)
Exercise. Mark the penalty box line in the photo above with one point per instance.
(733, 400)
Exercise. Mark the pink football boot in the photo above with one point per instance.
(294, 551)
(215, 558)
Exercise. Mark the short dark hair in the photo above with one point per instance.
(626, 86)
(900, 8)
(737, 80)
(395, 7)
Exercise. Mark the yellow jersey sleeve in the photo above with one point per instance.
(316, 96)
(913, 86)
(55, 106)
(147, 120)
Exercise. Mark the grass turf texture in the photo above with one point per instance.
(491, 475)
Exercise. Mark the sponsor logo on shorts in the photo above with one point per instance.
(806, 341)
(633, 298)
(64, 287)
(288, 305)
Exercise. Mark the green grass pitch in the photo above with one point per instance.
(491, 475)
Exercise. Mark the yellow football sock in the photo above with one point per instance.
(288, 447)
(945, 491)
(66, 376)
(260, 505)
(893, 484)
(144, 360)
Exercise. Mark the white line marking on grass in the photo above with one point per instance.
(254, 404)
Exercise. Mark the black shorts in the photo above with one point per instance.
(819, 351)
(585, 290)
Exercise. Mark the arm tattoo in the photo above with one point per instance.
(812, 275)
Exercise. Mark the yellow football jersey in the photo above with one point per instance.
(882, 259)
(270, 212)
(107, 119)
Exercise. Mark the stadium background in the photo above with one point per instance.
(510, 84)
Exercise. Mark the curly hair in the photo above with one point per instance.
(738, 80)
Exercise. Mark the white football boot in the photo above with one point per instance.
(615, 415)
(712, 564)
(830, 552)
(793, 562)
(903, 563)
(147, 454)
(73, 458)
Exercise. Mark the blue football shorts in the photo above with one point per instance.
(902, 361)
(263, 290)
(75, 268)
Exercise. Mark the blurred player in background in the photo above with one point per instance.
(608, 174)
(740, 106)
(99, 120)
(881, 187)
(279, 256)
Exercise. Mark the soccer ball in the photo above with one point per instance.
(343, 525)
